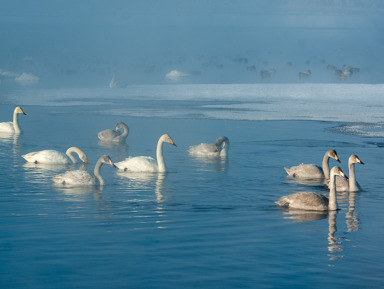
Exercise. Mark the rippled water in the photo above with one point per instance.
(206, 223)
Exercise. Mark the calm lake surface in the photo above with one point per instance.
(206, 223)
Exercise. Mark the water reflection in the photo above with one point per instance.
(220, 164)
(303, 215)
(351, 218)
(119, 150)
(9, 139)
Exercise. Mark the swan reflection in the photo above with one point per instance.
(220, 164)
(351, 218)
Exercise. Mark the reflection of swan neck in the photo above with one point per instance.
(332, 205)
(326, 166)
(159, 155)
(352, 177)
(96, 171)
(70, 152)
(15, 122)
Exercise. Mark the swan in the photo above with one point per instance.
(110, 135)
(147, 164)
(314, 201)
(83, 178)
(12, 127)
(342, 184)
(310, 171)
(55, 157)
(220, 148)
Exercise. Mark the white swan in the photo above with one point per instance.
(310, 171)
(314, 201)
(147, 164)
(55, 157)
(83, 178)
(220, 148)
(12, 127)
(342, 184)
(115, 135)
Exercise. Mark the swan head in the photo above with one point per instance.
(18, 109)
(120, 125)
(222, 143)
(107, 160)
(168, 139)
(333, 154)
(354, 159)
(336, 171)
(84, 158)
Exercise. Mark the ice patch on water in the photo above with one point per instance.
(353, 103)
(362, 129)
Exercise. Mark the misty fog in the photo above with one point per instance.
(119, 43)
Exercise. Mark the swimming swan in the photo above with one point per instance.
(314, 201)
(55, 157)
(115, 135)
(12, 127)
(342, 184)
(147, 164)
(220, 148)
(83, 178)
(310, 171)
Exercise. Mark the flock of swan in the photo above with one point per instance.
(334, 178)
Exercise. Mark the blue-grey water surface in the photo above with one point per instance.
(206, 223)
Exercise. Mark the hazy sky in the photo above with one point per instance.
(213, 41)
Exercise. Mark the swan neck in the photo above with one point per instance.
(159, 155)
(352, 177)
(16, 122)
(326, 167)
(125, 131)
(332, 193)
(96, 172)
(70, 152)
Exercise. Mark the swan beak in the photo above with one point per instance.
(362, 163)
(336, 158)
(22, 111)
(172, 143)
(112, 164)
(85, 161)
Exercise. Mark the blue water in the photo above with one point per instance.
(209, 224)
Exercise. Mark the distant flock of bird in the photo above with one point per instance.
(146, 164)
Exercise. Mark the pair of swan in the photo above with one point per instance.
(218, 149)
(314, 201)
(12, 127)
(114, 135)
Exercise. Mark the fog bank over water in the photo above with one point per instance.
(85, 43)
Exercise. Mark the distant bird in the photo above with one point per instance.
(55, 157)
(147, 164)
(219, 148)
(83, 178)
(305, 73)
(115, 135)
(12, 127)
(310, 171)
(314, 201)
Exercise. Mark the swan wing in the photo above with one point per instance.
(75, 178)
(305, 171)
(108, 135)
(304, 201)
(138, 164)
(203, 149)
(47, 157)
(7, 127)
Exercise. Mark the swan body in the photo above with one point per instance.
(219, 148)
(83, 178)
(310, 171)
(147, 164)
(349, 185)
(314, 201)
(114, 135)
(12, 127)
(55, 157)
